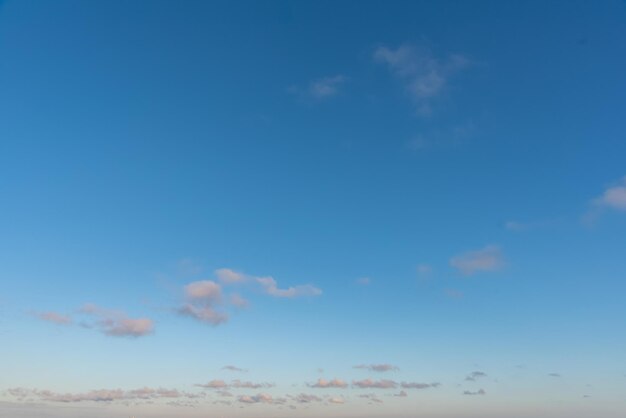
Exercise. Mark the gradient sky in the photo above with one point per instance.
(312, 209)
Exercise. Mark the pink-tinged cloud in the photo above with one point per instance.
(487, 259)
(260, 398)
(102, 395)
(336, 400)
(205, 290)
(239, 302)
(228, 276)
(374, 384)
(204, 314)
(270, 287)
(238, 384)
(378, 367)
(213, 384)
(117, 323)
(54, 317)
(325, 384)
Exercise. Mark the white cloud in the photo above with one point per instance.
(613, 197)
(270, 287)
(484, 260)
(326, 87)
(424, 75)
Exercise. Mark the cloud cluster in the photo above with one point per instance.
(202, 299)
(325, 384)
(116, 323)
(487, 259)
(425, 76)
(102, 395)
(234, 384)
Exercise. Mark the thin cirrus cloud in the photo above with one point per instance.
(116, 323)
(54, 317)
(378, 367)
(425, 77)
(487, 259)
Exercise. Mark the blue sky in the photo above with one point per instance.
(298, 209)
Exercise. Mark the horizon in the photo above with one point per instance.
(368, 209)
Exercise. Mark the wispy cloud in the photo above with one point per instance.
(425, 76)
(232, 368)
(374, 384)
(473, 376)
(54, 317)
(102, 395)
(364, 281)
(234, 384)
(478, 392)
(325, 384)
(271, 288)
(117, 323)
(613, 197)
(228, 276)
(484, 260)
(417, 385)
(326, 86)
(378, 367)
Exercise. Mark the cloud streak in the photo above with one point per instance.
(487, 259)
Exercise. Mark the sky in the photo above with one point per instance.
(273, 209)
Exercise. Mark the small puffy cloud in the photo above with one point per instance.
(336, 400)
(228, 276)
(54, 317)
(260, 398)
(324, 384)
(213, 384)
(117, 323)
(378, 367)
(478, 392)
(306, 398)
(416, 385)
(487, 259)
(425, 77)
(473, 376)
(232, 368)
(613, 197)
(204, 290)
(270, 287)
(374, 384)
(250, 385)
(206, 314)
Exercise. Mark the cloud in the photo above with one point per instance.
(202, 296)
(213, 384)
(484, 260)
(54, 317)
(228, 276)
(554, 375)
(479, 392)
(425, 77)
(416, 385)
(234, 369)
(270, 287)
(424, 270)
(336, 400)
(102, 395)
(260, 398)
(372, 397)
(364, 281)
(374, 384)
(326, 87)
(238, 301)
(401, 394)
(306, 398)
(472, 377)
(613, 197)
(117, 323)
(324, 384)
(378, 367)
